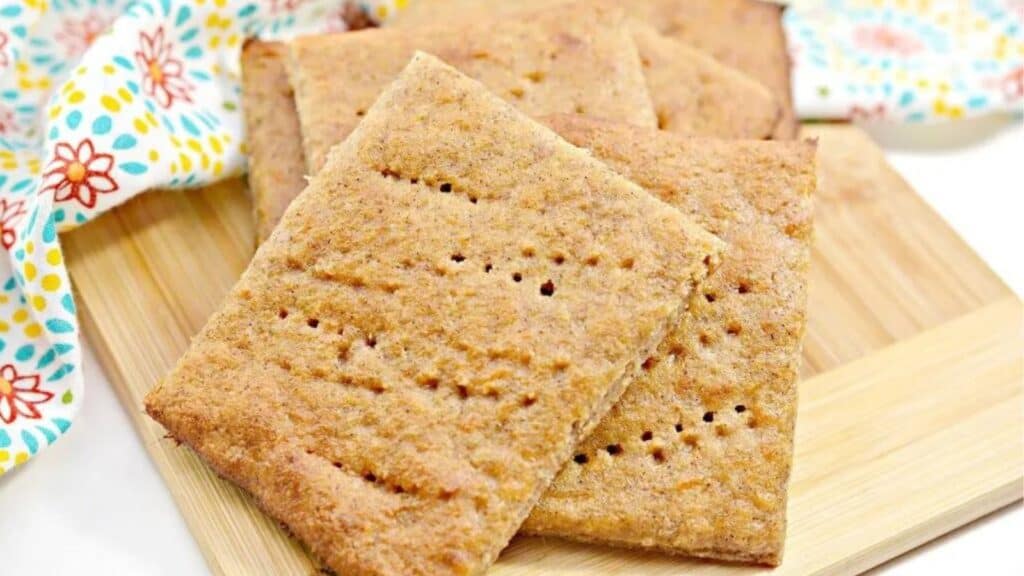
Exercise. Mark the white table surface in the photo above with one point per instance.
(94, 503)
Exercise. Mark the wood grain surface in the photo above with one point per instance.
(909, 421)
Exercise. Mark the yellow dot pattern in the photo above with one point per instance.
(853, 58)
(33, 330)
(110, 103)
(109, 99)
(51, 282)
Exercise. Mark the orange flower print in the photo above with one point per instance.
(78, 33)
(78, 173)
(10, 214)
(19, 395)
(162, 74)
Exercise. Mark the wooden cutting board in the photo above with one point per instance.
(909, 422)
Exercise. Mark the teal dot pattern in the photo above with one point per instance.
(101, 100)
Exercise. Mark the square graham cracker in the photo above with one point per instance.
(695, 457)
(450, 305)
(692, 92)
(558, 61)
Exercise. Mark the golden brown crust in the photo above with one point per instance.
(695, 457)
(560, 61)
(692, 92)
(745, 34)
(415, 350)
(273, 135)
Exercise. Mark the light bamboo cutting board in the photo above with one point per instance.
(910, 408)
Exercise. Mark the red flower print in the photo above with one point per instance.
(80, 174)
(1012, 84)
(19, 395)
(876, 112)
(278, 6)
(77, 34)
(886, 40)
(10, 215)
(161, 73)
(6, 120)
(4, 61)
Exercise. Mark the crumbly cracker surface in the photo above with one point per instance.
(276, 168)
(695, 457)
(558, 61)
(453, 302)
(693, 93)
(744, 34)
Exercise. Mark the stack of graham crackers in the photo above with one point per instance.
(526, 266)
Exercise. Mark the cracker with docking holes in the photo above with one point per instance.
(451, 304)
(692, 92)
(695, 457)
(560, 61)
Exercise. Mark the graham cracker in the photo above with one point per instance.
(559, 61)
(695, 457)
(276, 169)
(454, 300)
(745, 34)
(692, 92)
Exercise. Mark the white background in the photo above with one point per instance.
(94, 504)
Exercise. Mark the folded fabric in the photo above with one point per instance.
(906, 61)
(101, 100)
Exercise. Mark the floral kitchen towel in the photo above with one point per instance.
(906, 60)
(103, 99)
